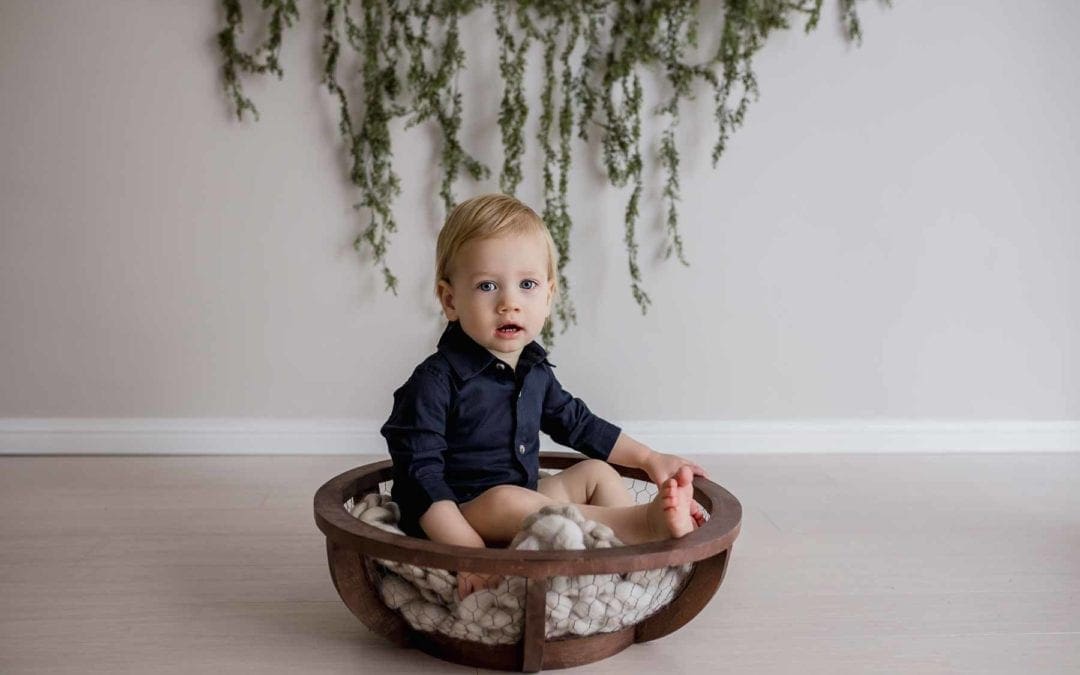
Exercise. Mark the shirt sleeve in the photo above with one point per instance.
(570, 422)
(416, 435)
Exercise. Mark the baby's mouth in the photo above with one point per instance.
(509, 329)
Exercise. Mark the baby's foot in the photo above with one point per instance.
(697, 512)
(671, 513)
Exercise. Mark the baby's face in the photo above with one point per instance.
(500, 292)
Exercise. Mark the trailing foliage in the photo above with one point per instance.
(594, 53)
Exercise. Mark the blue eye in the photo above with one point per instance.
(486, 286)
(529, 284)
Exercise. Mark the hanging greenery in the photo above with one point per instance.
(594, 55)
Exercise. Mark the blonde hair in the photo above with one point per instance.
(483, 217)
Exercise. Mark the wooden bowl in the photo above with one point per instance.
(351, 545)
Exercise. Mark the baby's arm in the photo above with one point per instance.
(415, 434)
(570, 422)
(660, 466)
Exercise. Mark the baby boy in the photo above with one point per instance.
(464, 430)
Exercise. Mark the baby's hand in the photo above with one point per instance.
(661, 466)
(470, 582)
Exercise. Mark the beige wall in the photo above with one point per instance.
(893, 234)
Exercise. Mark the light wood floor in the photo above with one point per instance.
(845, 564)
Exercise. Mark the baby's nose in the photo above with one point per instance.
(508, 301)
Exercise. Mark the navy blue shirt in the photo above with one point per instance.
(465, 421)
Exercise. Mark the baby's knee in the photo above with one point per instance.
(509, 497)
(502, 492)
(599, 470)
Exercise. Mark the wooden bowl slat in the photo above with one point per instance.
(354, 584)
(533, 633)
(697, 592)
(467, 652)
(567, 652)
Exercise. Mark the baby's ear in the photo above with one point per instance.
(446, 299)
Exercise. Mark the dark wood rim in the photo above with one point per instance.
(717, 535)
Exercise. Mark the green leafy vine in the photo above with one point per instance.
(410, 56)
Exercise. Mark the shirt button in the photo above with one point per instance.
(500, 366)
(521, 449)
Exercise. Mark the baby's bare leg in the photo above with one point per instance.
(589, 482)
(668, 516)
(497, 514)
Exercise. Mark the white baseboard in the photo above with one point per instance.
(142, 436)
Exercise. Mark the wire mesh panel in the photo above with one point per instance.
(575, 605)
(601, 603)
(642, 490)
(426, 599)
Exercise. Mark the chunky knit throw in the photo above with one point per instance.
(579, 605)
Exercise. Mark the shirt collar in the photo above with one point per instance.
(468, 358)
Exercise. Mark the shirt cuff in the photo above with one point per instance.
(434, 489)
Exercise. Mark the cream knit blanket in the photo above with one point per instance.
(579, 605)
